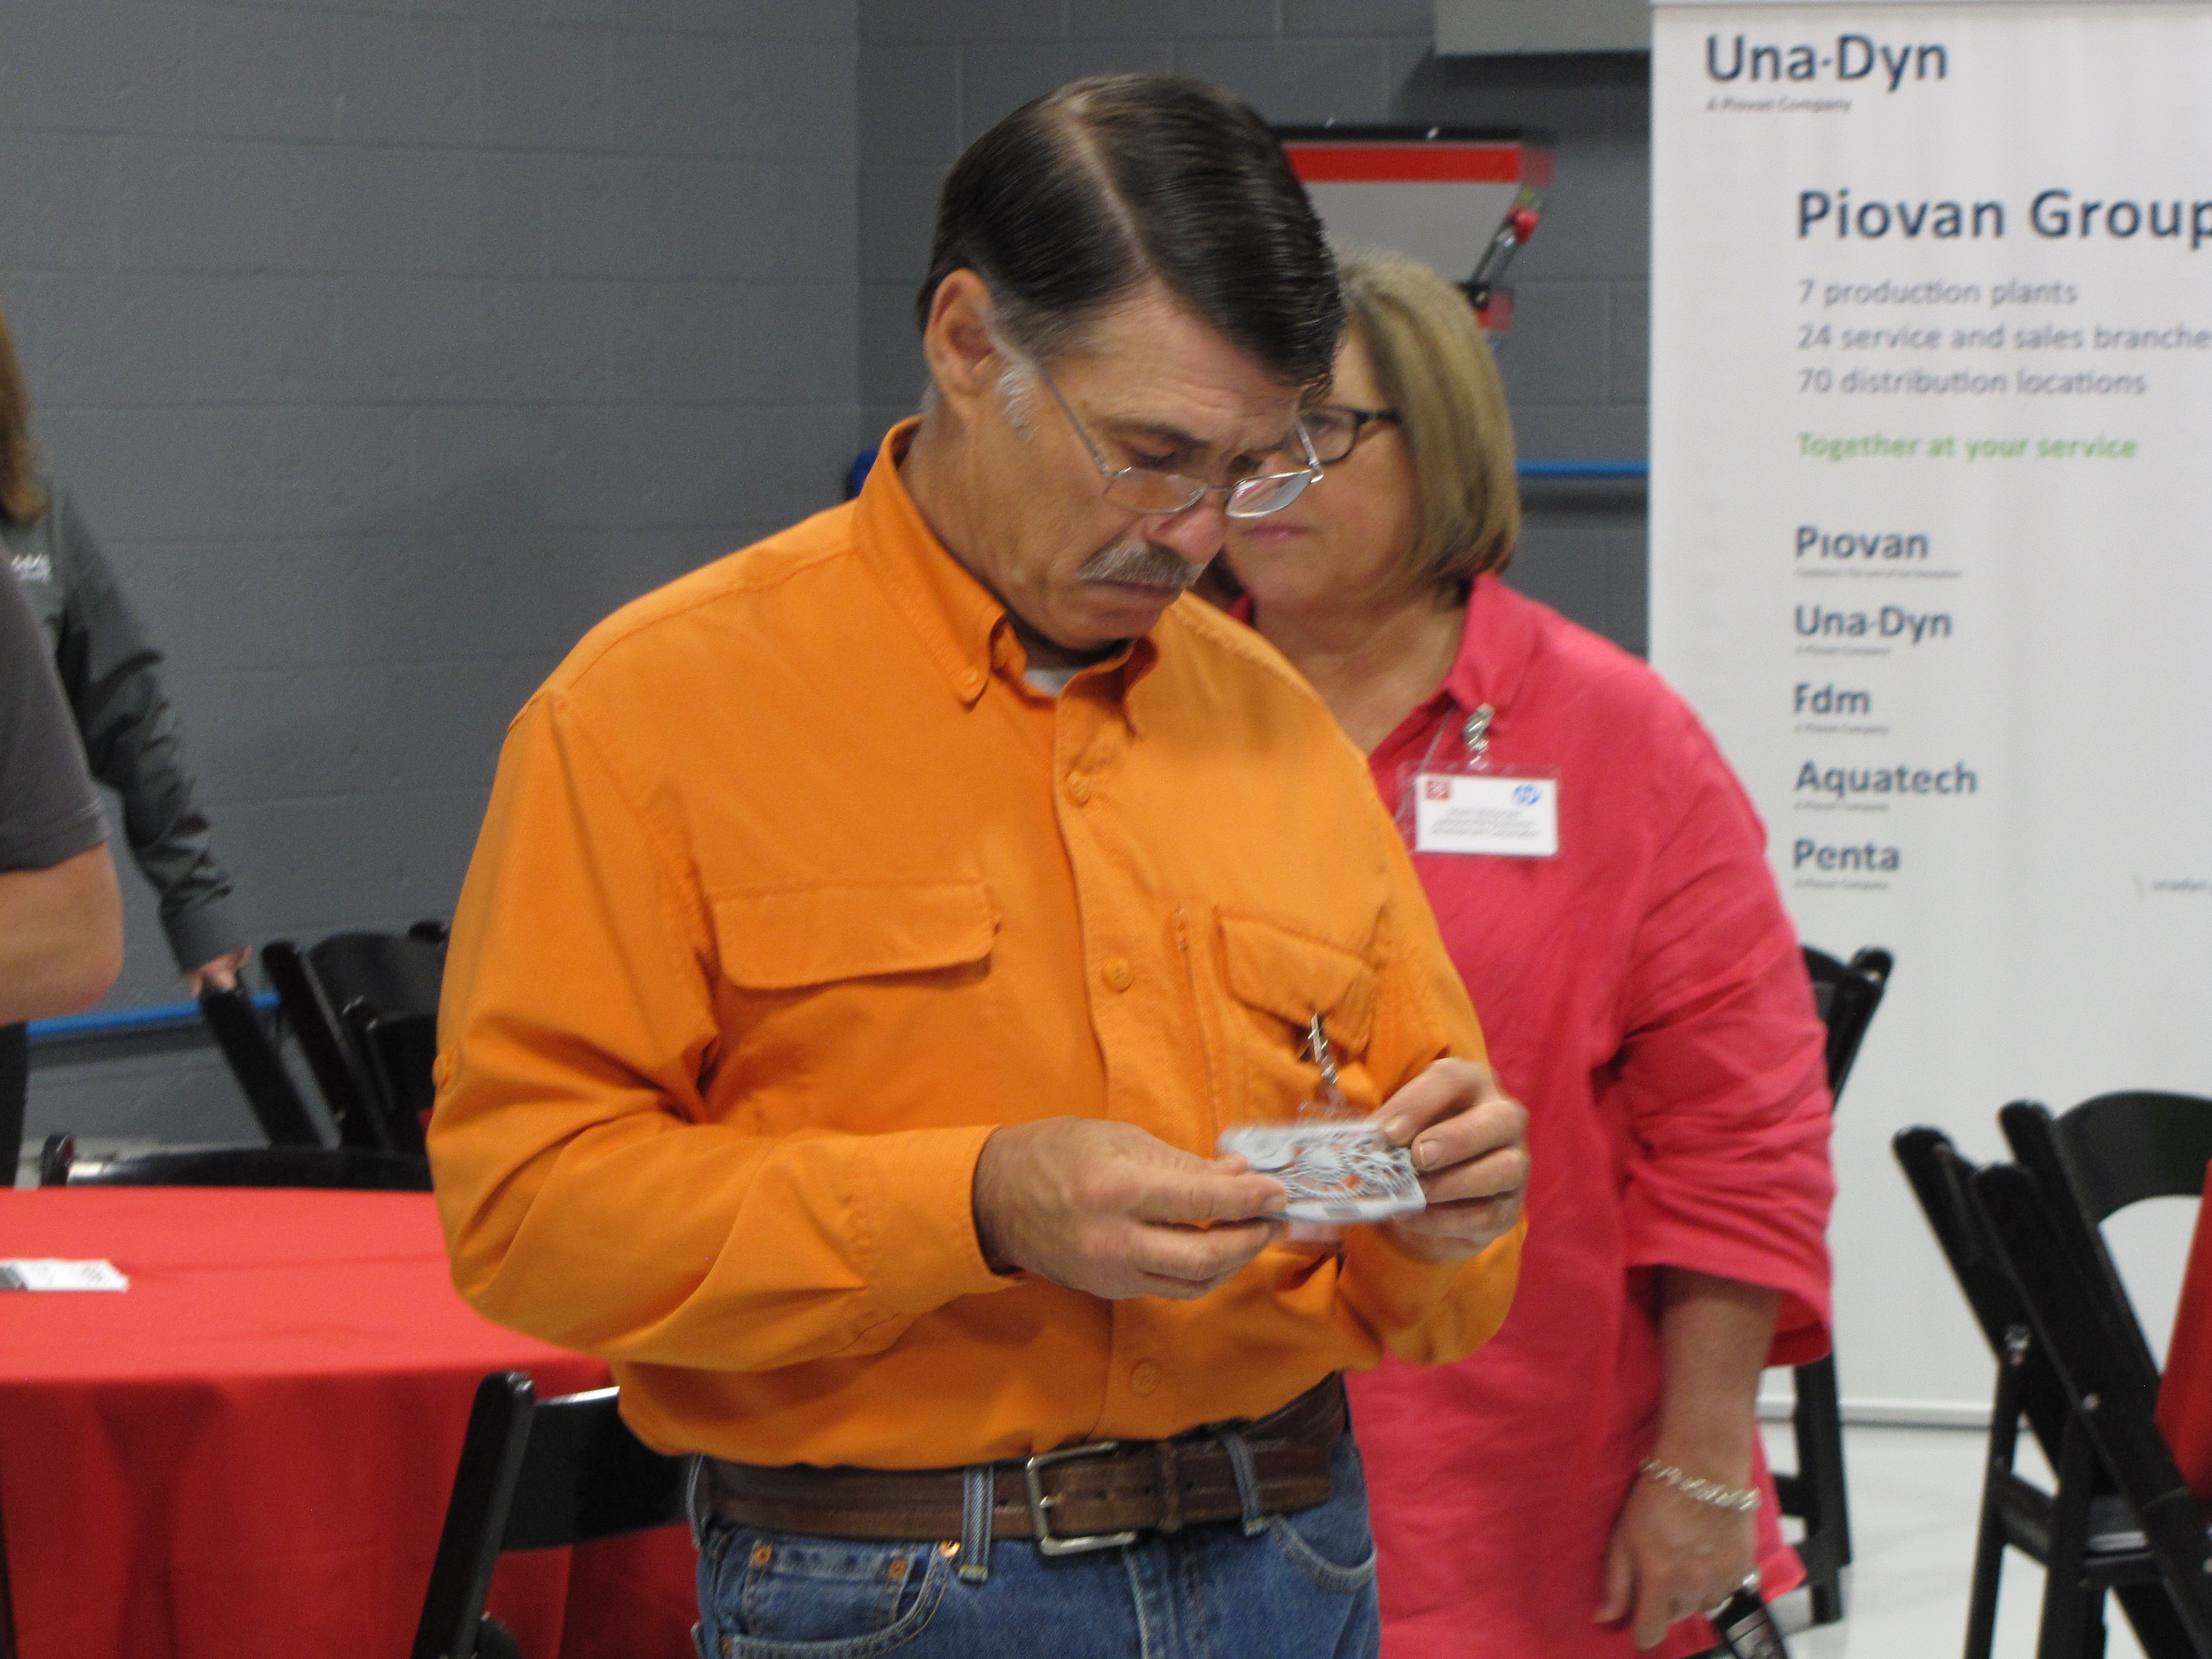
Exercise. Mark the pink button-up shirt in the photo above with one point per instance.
(1644, 996)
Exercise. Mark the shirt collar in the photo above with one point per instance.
(962, 624)
(1495, 649)
(952, 614)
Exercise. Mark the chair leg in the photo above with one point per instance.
(2158, 1628)
(1818, 1425)
(1989, 1531)
(2073, 1609)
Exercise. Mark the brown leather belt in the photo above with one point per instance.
(1086, 1497)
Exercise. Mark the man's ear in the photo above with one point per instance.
(963, 360)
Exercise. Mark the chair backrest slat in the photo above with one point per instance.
(1939, 1176)
(1845, 995)
(538, 1474)
(2078, 1325)
(2103, 1155)
(338, 993)
(251, 1057)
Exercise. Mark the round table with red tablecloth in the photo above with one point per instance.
(248, 1454)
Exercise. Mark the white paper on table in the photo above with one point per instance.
(52, 1274)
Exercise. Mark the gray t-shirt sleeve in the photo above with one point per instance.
(48, 813)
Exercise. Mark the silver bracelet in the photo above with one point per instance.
(1742, 1499)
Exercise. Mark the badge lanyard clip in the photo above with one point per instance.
(1328, 1101)
(1467, 804)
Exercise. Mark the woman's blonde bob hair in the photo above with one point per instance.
(1435, 368)
(21, 499)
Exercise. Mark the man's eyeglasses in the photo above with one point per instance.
(1334, 430)
(1144, 489)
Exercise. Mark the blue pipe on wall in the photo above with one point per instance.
(857, 474)
(127, 1022)
(1585, 469)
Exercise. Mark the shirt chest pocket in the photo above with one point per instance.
(1275, 979)
(849, 1005)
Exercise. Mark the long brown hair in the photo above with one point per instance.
(21, 501)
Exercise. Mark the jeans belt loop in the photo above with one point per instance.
(1247, 1480)
(979, 1497)
(697, 1505)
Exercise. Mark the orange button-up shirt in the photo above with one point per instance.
(791, 889)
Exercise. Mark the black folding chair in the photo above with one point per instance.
(330, 991)
(399, 1050)
(536, 1474)
(14, 1078)
(2103, 1155)
(1845, 996)
(2080, 1532)
(249, 1051)
(2111, 1447)
(349, 1168)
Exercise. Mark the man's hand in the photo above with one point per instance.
(1471, 1144)
(219, 975)
(1672, 1557)
(1106, 1208)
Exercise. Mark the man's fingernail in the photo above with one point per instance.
(1424, 1154)
(1395, 1131)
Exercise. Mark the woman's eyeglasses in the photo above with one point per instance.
(1335, 429)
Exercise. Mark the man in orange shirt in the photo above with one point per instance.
(872, 933)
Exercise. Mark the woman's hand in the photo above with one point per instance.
(219, 975)
(1673, 1556)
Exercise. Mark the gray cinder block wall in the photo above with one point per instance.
(390, 344)
(935, 77)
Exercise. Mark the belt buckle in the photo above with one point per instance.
(1040, 1501)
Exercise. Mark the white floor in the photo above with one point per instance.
(1912, 1498)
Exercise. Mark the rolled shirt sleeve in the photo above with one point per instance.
(1722, 1071)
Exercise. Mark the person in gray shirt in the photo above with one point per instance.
(110, 674)
(61, 921)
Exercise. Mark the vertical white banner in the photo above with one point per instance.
(1931, 522)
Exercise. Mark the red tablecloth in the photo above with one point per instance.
(248, 1453)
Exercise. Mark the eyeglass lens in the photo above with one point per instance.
(1335, 430)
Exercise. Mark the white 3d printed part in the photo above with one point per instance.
(1335, 1171)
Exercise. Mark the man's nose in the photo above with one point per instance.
(1195, 534)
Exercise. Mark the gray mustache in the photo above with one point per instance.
(1140, 562)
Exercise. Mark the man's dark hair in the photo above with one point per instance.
(1079, 198)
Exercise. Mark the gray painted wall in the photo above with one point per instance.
(388, 344)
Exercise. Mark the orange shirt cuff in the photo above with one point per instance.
(915, 1191)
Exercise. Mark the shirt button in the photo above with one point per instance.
(1078, 787)
(1145, 1378)
(1117, 974)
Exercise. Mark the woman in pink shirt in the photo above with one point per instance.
(1642, 994)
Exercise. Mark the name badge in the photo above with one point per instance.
(1506, 816)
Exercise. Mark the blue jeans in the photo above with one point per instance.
(1300, 1587)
